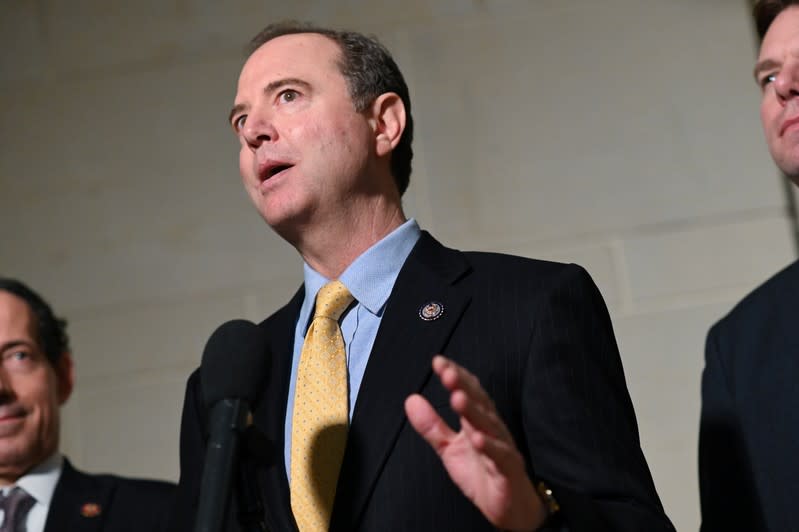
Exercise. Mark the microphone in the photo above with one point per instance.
(233, 368)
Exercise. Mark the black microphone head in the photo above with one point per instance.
(234, 362)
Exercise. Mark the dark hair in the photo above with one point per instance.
(50, 331)
(765, 11)
(369, 70)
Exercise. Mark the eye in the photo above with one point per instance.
(238, 122)
(17, 358)
(20, 355)
(765, 80)
(288, 95)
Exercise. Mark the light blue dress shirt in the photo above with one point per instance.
(370, 279)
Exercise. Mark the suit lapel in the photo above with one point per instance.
(269, 414)
(79, 503)
(399, 365)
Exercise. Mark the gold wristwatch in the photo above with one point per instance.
(545, 492)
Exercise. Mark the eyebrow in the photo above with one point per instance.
(765, 64)
(269, 89)
(16, 343)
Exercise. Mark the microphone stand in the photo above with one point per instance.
(256, 450)
(227, 420)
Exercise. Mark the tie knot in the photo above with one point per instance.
(15, 507)
(14, 497)
(331, 300)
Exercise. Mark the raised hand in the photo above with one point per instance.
(481, 458)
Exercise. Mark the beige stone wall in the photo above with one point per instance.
(619, 134)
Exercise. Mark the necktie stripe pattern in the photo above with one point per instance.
(15, 507)
(320, 419)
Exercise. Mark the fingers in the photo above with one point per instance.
(502, 455)
(455, 377)
(469, 400)
(428, 423)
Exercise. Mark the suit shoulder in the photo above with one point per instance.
(156, 487)
(758, 331)
(767, 305)
(527, 265)
(139, 486)
(537, 273)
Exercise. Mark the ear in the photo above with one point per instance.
(65, 377)
(388, 121)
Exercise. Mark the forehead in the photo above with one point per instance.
(301, 55)
(16, 318)
(783, 32)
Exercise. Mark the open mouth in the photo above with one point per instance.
(271, 171)
(277, 169)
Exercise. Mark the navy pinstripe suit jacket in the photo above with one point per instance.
(538, 336)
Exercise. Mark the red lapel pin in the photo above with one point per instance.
(90, 509)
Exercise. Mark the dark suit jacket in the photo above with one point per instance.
(538, 336)
(749, 430)
(125, 505)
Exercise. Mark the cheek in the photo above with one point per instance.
(38, 391)
(245, 163)
(769, 114)
(763, 112)
(44, 409)
(308, 135)
(49, 416)
(248, 173)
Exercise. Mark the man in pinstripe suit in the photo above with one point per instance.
(522, 423)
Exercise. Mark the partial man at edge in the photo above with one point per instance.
(40, 490)
(749, 429)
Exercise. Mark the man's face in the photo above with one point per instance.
(777, 72)
(306, 153)
(31, 392)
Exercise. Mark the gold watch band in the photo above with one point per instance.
(548, 497)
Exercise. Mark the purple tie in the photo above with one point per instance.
(15, 508)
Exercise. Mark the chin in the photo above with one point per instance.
(789, 165)
(274, 218)
(16, 459)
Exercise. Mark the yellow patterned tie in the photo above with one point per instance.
(319, 424)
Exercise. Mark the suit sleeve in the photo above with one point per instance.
(130, 496)
(725, 479)
(579, 422)
(192, 453)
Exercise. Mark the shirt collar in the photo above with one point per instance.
(371, 276)
(40, 482)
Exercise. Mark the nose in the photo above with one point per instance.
(258, 128)
(786, 83)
